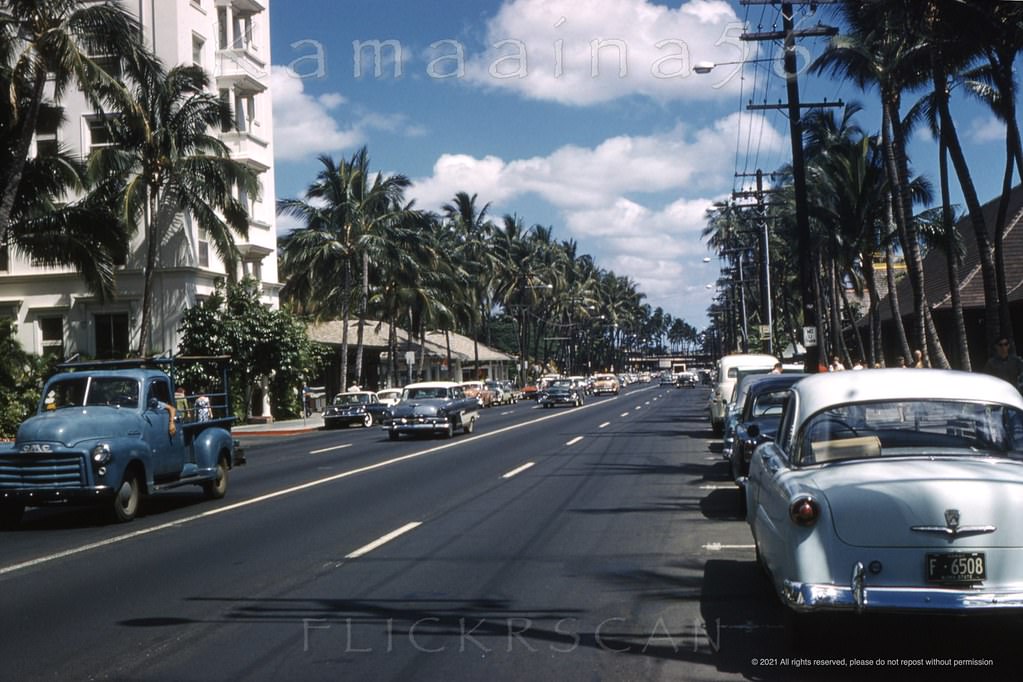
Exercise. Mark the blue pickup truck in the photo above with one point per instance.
(103, 435)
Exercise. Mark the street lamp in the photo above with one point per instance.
(707, 67)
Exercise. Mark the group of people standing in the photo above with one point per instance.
(1003, 363)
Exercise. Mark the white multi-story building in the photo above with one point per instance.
(54, 311)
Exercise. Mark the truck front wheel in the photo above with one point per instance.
(217, 488)
(128, 498)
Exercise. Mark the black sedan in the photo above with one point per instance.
(759, 419)
(561, 393)
(353, 407)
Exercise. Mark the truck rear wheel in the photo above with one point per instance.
(217, 488)
(128, 498)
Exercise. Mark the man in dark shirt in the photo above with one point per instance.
(1005, 365)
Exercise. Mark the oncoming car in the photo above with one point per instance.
(893, 490)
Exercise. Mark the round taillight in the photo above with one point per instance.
(804, 511)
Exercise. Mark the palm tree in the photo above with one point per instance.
(474, 230)
(374, 205)
(170, 162)
(50, 41)
(881, 50)
(316, 260)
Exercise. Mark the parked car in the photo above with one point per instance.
(478, 390)
(353, 407)
(728, 369)
(562, 392)
(432, 407)
(757, 420)
(605, 383)
(389, 396)
(893, 490)
(686, 380)
(500, 393)
(514, 392)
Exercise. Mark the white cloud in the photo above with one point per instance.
(306, 125)
(583, 53)
(610, 199)
(987, 129)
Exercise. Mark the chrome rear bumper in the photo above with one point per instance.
(859, 597)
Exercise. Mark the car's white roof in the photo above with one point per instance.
(748, 360)
(819, 391)
(433, 384)
(389, 390)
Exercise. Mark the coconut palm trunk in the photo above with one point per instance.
(952, 259)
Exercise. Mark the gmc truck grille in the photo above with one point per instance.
(35, 471)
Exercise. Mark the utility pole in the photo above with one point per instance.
(765, 250)
(803, 237)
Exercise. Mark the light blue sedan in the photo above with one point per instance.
(893, 490)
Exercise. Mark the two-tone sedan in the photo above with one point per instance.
(354, 407)
(893, 490)
(432, 408)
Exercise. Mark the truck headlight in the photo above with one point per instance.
(101, 454)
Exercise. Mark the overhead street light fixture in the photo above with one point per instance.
(707, 67)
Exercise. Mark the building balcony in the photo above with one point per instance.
(238, 69)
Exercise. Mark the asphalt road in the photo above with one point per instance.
(598, 543)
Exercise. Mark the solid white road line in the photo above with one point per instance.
(604, 425)
(723, 486)
(336, 447)
(517, 471)
(384, 540)
(574, 440)
(717, 547)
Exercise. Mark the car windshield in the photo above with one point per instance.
(769, 403)
(908, 427)
(80, 391)
(425, 393)
(351, 399)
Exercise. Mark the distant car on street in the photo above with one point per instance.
(353, 407)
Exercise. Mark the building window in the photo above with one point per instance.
(51, 330)
(221, 28)
(225, 97)
(244, 112)
(197, 47)
(111, 336)
(99, 133)
(204, 248)
(46, 133)
(254, 269)
(5, 258)
(109, 64)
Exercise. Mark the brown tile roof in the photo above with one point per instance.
(375, 335)
(936, 280)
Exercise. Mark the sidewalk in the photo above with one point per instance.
(288, 427)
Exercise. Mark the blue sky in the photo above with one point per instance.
(616, 144)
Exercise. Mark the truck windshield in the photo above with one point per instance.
(79, 391)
